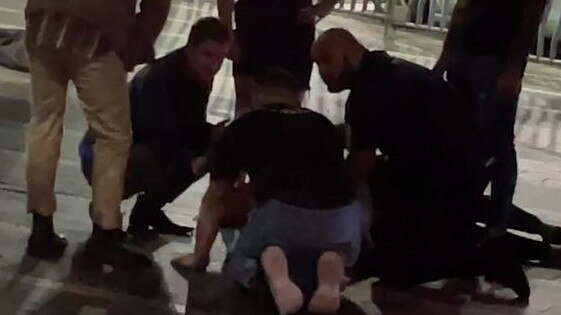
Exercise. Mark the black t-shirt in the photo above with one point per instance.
(491, 25)
(293, 156)
(411, 115)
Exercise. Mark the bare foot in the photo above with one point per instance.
(326, 300)
(288, 297)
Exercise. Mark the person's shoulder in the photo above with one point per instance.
(165, 64)
(313, 115)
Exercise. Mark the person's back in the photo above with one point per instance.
(415, 117)
(290, 154)
(305, 222)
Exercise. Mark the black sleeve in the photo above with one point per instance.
(226, 156)
(357, 118)
(199, 136)
(154, 118)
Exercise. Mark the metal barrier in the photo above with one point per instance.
(435, 15)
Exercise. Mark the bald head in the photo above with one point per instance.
(338, 54)
(336, 39)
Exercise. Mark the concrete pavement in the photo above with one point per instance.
(32, 287)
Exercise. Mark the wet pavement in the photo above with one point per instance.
(71, 286)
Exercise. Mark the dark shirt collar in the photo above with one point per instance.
(284, 108)
(186, 71)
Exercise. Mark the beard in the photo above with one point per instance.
(344, 80)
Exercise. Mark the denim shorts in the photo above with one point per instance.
(303, 234)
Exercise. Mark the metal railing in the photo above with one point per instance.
(435, 15)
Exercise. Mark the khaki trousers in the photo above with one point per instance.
(101, 84)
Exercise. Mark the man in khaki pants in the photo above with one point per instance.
(92, 43)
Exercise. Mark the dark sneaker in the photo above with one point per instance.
(551, 234)
(163, 225)
(142, 231)
(503, 267)
(111, 247)
(48, 247)
(44, 243)
(145, 215)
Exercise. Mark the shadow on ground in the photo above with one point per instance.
(87, 289)
(210, 293)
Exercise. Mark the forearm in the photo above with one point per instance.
(451, 40)
(208, 224)
(225, 11)
(206, 232)
(523, 41)
(325, 7)
(152, 17)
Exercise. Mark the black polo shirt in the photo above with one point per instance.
(411, 115)
(294, 156)
(168, 107)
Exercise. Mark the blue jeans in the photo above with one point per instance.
(303, 234)
(477, 78)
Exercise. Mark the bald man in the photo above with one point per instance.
(423, 128)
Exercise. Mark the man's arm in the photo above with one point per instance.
(147, 26)
(151, 18)
(225, 170)
(510, 82)
(210, 214)
(154, 116)
(318, 11)
(225, 12)
(451, 40)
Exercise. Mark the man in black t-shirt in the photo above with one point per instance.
(485, 55)
(306, 223)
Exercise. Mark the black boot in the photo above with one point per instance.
(503, 267)
(163, 225)
(551, 234)
(111, 247)
(44, 243)
(148, 220)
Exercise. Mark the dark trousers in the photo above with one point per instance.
(477, 78)
(423, 235)
(160, 182)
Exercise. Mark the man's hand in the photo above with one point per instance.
(136, 52)
(309, 15)
(509, 86)
(218, 130)
(314, 13)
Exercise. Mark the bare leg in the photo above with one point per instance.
(287, 295)
(331, 271)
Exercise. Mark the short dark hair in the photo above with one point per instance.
(278, 77)
(208, 28)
